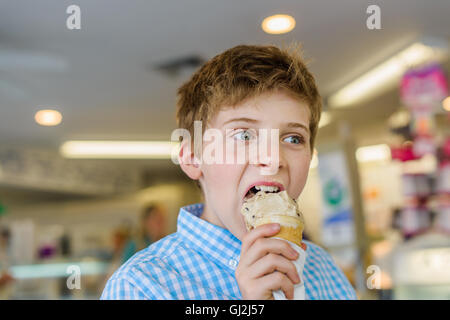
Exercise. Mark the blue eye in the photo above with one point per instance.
(245, 135)
(295, 139)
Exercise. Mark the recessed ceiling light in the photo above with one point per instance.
(278, 24)
(48, 117)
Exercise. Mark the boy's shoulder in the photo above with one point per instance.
(168, 269)
(155, 254)
(140, 276)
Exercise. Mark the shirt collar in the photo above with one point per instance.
(216, 243)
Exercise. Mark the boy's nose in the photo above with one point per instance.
(269, 165)
(270, 158)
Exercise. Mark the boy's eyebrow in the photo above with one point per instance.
(297, 125)
(289, 124)
(241, 120)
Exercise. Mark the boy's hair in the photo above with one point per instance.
(243, 72)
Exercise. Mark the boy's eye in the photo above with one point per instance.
(294, 139)
(245, 135)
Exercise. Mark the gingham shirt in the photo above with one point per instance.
(199, 262)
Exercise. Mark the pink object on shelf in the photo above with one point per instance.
(403, 154)
(446, 147)
(421, 88)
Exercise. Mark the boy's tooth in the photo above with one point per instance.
(267, 188)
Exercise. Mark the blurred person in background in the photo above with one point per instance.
(121, 235)
(152, 228)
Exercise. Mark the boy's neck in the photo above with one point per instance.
(209, 216)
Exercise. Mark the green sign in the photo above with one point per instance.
(333, 192)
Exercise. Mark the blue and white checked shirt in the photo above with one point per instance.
(199, 262)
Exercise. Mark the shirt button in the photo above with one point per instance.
(232, 263)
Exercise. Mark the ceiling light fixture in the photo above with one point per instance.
(278, 24)
(388, 74)
(118, 149)
(48, 117)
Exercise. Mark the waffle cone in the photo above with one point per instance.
(291, 228)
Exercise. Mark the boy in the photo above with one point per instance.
(238, 94)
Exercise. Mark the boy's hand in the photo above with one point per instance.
(265, 265)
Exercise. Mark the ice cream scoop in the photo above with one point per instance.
(277, 207)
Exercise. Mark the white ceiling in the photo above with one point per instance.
(107, 89)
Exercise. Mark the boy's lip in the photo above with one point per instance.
(264, 183)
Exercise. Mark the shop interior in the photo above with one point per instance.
(378, 191)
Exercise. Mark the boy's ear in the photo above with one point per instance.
(188, 162)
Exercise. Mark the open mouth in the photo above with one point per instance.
(255, 189)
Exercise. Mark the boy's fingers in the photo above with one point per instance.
(262, 246)
(274, 262)
(278, 281)
(266, 230)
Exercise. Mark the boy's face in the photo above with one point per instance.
(225, 185)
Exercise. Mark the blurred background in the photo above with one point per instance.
(71, 213)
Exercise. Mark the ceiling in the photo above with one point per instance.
(104, 82)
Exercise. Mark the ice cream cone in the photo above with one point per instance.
(277, 207)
